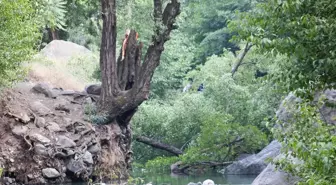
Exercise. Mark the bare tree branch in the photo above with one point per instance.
(241, 58)
(159, 145)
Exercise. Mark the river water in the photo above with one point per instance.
(167, 179)
(218, 178)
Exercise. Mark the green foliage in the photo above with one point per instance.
(161, 164)
(313, 143)
(18, 38)
(52, 13)
(219, 140)
(303, 31)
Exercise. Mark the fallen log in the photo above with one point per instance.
(159, 145)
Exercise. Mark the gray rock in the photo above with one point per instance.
(39, 138)
(50, 173)
(93, 149)
(41, 123)
(53, 127)
(271, 176)
(62, 106)
(39, 108)
(64, 51)
(328, 110)
(87, 158)
(75, 166)
(20, 130)
(192, 183)
(40, 149)
(94, 89)
(208, 182)
(254, 164)
(65, 142)
(45, 89)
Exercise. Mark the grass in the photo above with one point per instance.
(74, 74)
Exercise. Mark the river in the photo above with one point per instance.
(167, 179)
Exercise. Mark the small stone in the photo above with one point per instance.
(50, 173)
(88, 100)
(53, 127)
(87, 158)
(39, 108)
(65, 142)
(75, 166)
(45, 89)
(20, 130)
(93, 149)
(40, 149)
(39, 138)
(25, 118)
(62, 106)
(41, 122)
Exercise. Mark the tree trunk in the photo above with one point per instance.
(126, 83)
(159, 145)
(53, 34)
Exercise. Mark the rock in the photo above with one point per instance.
(39, 138)
(192, 183)
(50, 173)
(20, 130)
(75, 166)
(25, 118)
(94, 89)
(254, 164)
(45, 89)
(41, 123)
(65, 142)
(62, 106)
(40, 149)
(208, 182)
(93, 149)
(53, 127)
(39, 108)
(271, 176)
(59, 50)
(87, 158)
(88, 100)
(329, 108)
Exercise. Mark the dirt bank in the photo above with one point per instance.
(45, 137)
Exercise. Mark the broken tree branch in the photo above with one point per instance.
(159, 145)
(241, 58)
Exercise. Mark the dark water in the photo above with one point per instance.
(167, 179)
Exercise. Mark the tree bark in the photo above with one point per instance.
(126, 83)
(241, 58)
(159, 145)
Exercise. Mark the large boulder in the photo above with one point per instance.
(60, 50)
(288, 107)
(254, 164)
(272, 176)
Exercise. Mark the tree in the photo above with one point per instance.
(301, 30)
(18, 38)
(126, 83)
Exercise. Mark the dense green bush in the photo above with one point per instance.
(18, 38)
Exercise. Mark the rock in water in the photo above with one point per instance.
(271, 176)
(50, 173)
(208, 182)
(254, 164)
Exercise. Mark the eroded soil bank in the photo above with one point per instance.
(45, 137)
